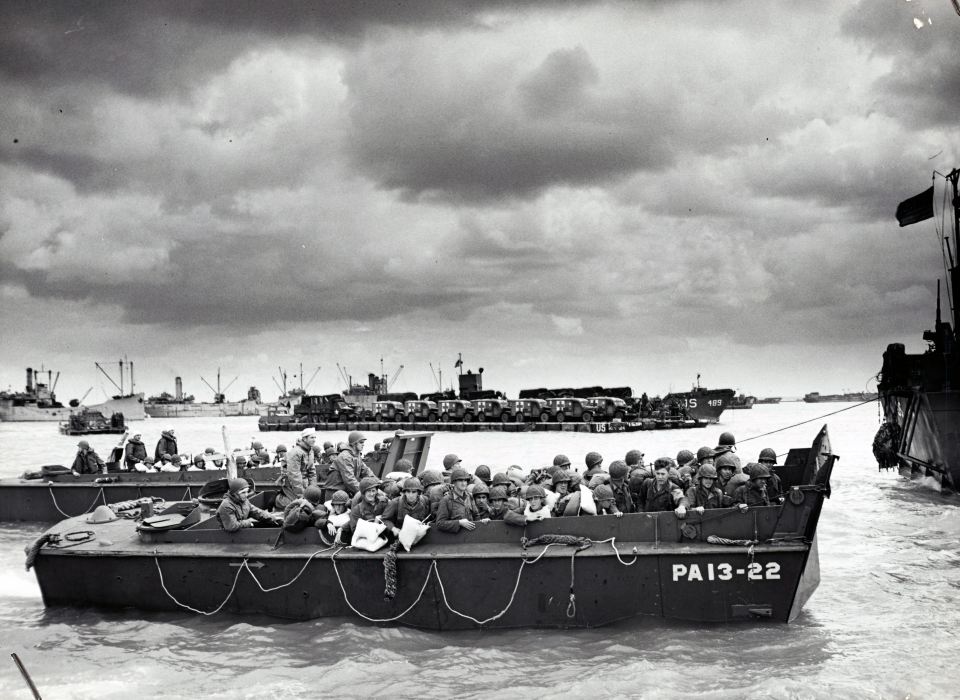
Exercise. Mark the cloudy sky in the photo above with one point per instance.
(568, 193)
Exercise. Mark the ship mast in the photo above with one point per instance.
(952, 178)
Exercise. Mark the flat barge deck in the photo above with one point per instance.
(285, 423)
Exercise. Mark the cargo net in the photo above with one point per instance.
(885, 444)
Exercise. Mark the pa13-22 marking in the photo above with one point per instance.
(725, 572)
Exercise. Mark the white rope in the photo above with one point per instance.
(96, 498)
(502, 612)
(284, 585)
(194, 609)
(433, 567)
(189, 495)
(613, 544)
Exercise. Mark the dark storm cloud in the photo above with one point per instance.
(923, 89)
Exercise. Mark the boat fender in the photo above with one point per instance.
(573, 505)
(580, 543)
(552, 497)
(534, 516)
(32, 550)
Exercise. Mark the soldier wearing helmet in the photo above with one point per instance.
(306, 511)
(662, 494)
(634, 459)
(457, 509)
(561, 487)
(754, 492)
(728, 444)
(594, 462)
(87, 461)
(606, 501)
(705, 495)
(621, 488)
(536, 504)
(500, 509)
(167, 444)
(705, 455)
(372, 502)
(481, 495)
(768, 458)
(300, 470)
(482, 472)
(348, 468)
(411, 501)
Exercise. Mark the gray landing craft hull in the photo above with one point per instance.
(930, 431)
(662, 566)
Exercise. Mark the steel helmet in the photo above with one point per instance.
(237, 485)
(430, 478)
(83, 444)
(450, 460)
(726, 460)
(341, 446)
(391, 489)
(481, 489)
(355, 437)
(198, 459)
(561, 461)
(726, 440)
(705, 453)
(368, 482)
(559, 476)
(211, 451)
(603, 493)
(412, 484)
(758, 471)
(685, 457)
(767, 454)
(634, 457)
(257, 445)
(341, 497)
(593, 459)
(312, 494)
(281, 448)
(483, 473)
(497, 493)
(403, 465)
(536, 491)
(501, 479)
(618, 470)
(327, 445)
(459, 475)
(707, 471)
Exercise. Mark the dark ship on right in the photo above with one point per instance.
(920, 394)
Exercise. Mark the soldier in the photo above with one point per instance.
(372, 503)
(260, 452)
(433, 488)
(135, 451)
(281, 455)
(705, 456)
(536, 502)
(754, 492)
(236, 512)
(87, 461)
(501, 479)
(606, 503)
(451, 462)
(338, 506)
(300, 471)
(499, 510)
(620, 487)
(561, 487)
(725, 471)
(686, 458)
(705, 495)
(348, 468)
(305, 511)
(660, 493)
(410, 502)
(728, 443)
(198, 464)
(480, 495)
(768, 458)
(594, 462)
(456, 509)
(166, 445)
(483, 473)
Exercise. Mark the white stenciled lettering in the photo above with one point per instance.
(755, 572)
(710, 572)
(694, 573)
(693, 403)
(678, 571)
(773, 570)
(724, 572)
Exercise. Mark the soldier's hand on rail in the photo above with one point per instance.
(742, 507)
(467, 524)
(699, 509)
(681, 512)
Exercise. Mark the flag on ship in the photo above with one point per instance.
(916, 209)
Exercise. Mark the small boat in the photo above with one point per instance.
(741, 402)
(90, 422)
(702, 404)
(57, 493)
(723, 566)
(769, 399)
(851, 397)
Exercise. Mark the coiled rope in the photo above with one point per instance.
(32, 550)
(96, 498)
(390, 572)
(714, 539)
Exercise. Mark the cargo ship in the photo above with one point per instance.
(179, 406)
(702, 404)
(39, 402)
(920, 393)
(850, 397)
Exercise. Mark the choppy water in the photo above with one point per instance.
(883, 624)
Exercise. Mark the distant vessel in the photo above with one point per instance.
(701, 403)
(742, 401)
(39, 402)
(769, 399)
(920, 394)
(817, 397)
(88, 422)
(180, 406)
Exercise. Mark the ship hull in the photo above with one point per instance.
(202, 410)
(704, 404)
(930, 433)
(131, 407)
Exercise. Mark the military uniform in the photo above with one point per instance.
(234, 509)
(655, 499)
(346, 471)
(452, 509)
(299, 472)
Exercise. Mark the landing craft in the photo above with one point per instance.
(723, 566)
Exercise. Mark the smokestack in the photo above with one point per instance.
(179, 391)
(29, 380)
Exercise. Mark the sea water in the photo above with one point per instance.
(883, 623)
